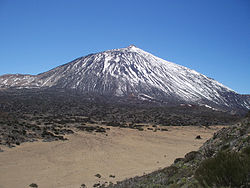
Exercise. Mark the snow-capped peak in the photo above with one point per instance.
(131, 70)
(131, 46)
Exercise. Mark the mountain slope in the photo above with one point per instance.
(132, 71)
(222, 161)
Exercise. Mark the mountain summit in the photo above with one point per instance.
(132, 71)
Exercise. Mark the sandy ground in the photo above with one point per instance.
(123, 153)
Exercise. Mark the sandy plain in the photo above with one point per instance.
(122, 153)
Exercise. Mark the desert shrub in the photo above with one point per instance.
(225, 169)
(191, 155)
(113, 124)
(247, 139)
(33, 185)
(178, 160)
(246, 151)
(225, 147)
(98, 175)
(140, 129)
(248, 114)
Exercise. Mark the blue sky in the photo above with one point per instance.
(211, 37)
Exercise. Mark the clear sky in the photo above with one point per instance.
(209, 36)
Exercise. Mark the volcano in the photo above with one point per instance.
(131, 71)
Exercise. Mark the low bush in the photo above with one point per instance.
(33, 185)
(225, 169)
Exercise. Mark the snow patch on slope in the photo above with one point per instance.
(128, 71)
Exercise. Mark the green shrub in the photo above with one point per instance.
(247, 139)
(225, 169)
(246, 151)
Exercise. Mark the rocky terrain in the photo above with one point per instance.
(222, 161)
(29, 115)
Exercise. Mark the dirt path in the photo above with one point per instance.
(123, 153)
